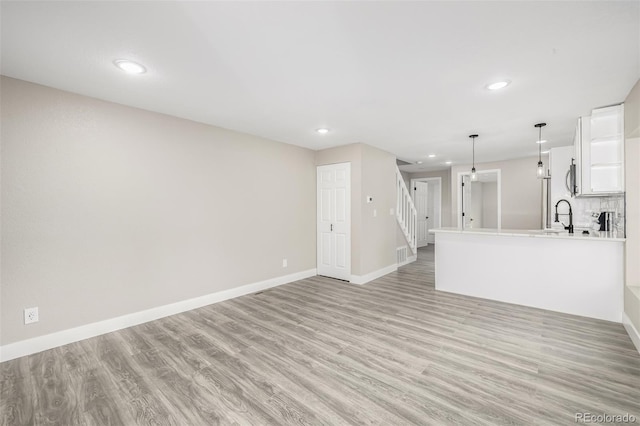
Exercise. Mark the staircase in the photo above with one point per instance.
(406, 213)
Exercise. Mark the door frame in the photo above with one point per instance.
(439, 195)
(459, 193)
(348, 218)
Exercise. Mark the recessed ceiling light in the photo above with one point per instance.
(322, 131)
(542, 141)
(418, 162)
(432, 155)
(129, 67)
(498, 85)
(447, 162)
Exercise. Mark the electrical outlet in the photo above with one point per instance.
(31, 315)
(284, 263)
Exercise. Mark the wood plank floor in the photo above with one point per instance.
(320, 351)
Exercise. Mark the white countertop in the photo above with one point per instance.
(535, 233)
(570, 274)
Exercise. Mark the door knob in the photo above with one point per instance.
(332, 227)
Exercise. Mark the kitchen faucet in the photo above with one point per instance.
(570, 227)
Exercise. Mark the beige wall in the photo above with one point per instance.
(632, 183)
(109, 210)
(373, 239)
(407, 178)
(378, 248)
(521, 192)
(476, 207)
(490, 204)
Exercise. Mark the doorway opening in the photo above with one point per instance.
(427, 197)
(479, 202)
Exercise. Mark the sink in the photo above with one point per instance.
(553, 231)
(546, 231)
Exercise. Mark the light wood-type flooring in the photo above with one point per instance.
(321, 351)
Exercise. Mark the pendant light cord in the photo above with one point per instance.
(473, 167)
(539, 144)
(473, 141)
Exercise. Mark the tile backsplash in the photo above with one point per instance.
(587, 210)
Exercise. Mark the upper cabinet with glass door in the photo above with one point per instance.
(600, 151)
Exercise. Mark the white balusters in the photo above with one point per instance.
(406, 212)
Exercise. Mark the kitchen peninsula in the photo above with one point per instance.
(571, 273)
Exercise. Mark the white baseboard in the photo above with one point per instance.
(363, 279)
(631, 330)
(60, 338)
(409, 260)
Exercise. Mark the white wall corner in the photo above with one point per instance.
(64, 337)
(631, 330)
(363, 279)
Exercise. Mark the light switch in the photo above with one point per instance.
(375, 212)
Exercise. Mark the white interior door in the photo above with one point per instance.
(334, 221)
(433, 209)
(421, 199)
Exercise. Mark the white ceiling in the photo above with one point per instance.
(407, 77)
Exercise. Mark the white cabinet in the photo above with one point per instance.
(599, 146)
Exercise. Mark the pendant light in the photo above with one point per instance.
(474, 175)
(540, 171)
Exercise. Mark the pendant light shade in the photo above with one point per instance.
(540, 169)
(474, 175)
